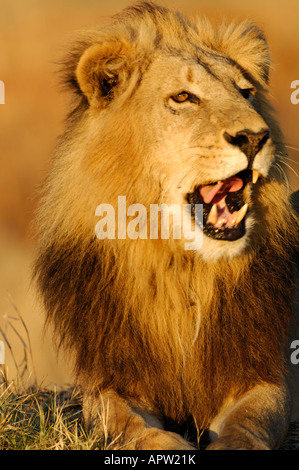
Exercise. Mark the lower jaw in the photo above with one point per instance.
(227, 234)
(221, 233)
(215, 250)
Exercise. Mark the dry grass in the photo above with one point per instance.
(39, 419)
(33, 417)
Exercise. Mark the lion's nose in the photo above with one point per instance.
(249, 142)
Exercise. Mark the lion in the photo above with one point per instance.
(172, 111)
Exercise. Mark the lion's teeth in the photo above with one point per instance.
(213, 215)
(255, 176)
(240, 214)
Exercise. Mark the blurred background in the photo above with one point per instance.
(32, 37)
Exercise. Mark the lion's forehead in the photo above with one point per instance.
(212, 76)
(215, 84)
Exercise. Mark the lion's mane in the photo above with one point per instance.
(138, 314)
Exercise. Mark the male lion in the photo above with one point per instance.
(171, 111)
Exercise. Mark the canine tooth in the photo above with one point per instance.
(255, 176)
(213, 215)
(240, 214)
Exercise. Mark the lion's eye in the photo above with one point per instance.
(181, 97)
(247, 92)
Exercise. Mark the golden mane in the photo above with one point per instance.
(129, 309)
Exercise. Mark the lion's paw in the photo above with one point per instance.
(156, 439)
(224, 443)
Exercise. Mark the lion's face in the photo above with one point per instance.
(209, 144)
(194, 114)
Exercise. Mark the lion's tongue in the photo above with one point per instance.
(214, 193)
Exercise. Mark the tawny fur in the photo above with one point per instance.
(157, 324)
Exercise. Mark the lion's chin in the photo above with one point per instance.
(213, 249)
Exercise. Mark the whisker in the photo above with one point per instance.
(292, 148)
(282, 157)
(289, 166)
(291, 160)
(283, 173)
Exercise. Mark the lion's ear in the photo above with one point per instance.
(246, 44)
(102, 70)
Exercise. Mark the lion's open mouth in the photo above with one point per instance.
(224, 207)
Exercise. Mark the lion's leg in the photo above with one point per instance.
(131, 427)
(258, 420)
